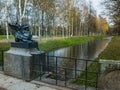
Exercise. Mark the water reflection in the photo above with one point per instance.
(89, 50)
(82, 51)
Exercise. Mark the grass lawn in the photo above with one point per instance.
(3, 46)
(56, 44)
(112, 52)
(3, 37)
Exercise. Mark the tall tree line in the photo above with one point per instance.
(64, 18)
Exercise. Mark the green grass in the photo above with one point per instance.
(90, 78)
(56, 44)
(3, 37)
(112, 52)
(3, 46)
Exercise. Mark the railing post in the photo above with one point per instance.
(47, 63)
(65, 77)
(86, 69)
(56, 71)
(75, 68)
(40, 68)
(2, 60)
(98, 75)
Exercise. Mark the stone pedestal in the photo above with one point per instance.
(18, 62)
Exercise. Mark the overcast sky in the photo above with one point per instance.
(99, 8)
(97, 5)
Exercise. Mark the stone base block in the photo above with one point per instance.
(18, 62)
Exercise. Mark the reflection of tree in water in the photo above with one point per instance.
(94, 47)
(66, 68)
(68, 64)
(91, 49)
(83, 51)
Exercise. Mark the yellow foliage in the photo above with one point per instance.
(104, 25)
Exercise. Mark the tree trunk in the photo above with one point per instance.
(20, 11)
(42, 22)
(6, 20)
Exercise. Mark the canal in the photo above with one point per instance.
(88, 50)
(85, 51)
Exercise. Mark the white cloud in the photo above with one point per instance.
(97, 5)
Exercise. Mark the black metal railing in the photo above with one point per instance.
(1, 60)
(64, 71)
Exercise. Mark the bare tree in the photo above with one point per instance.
(113, 11)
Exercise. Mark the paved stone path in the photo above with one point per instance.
(10, 83)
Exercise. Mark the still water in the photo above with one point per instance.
(86, 51)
